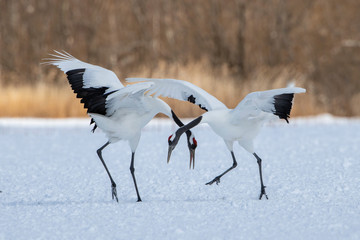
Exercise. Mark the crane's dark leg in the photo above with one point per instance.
(262, 192)
(217, 179)
(113, 185)
(132, 170)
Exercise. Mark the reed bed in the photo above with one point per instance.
(56, 100)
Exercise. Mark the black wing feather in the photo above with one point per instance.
(94, 99)
(192, 99)
(283, 104)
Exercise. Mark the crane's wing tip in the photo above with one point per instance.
(302, 90)
(298, 90)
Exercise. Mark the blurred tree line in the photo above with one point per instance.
(318, 38)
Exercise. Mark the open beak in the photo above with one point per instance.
(171, 148)
(192, 158)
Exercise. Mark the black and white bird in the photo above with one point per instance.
(121, 112)
(241, 124)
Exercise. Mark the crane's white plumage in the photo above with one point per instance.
(94, 76)
(261, 104)
(241, 124)
(132, 98)
(264, 100)
(103, 94)
(121, 112)
(181, 90)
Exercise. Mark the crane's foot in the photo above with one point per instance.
(263, 192)
(139, 200)
(114, 192)
(217, 180)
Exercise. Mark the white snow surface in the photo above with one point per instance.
(55, 187)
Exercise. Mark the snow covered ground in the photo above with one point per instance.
(54, 186)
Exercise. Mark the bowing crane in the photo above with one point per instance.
(241, 124)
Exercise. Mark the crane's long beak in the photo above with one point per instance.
(192, 158)
(171, 148)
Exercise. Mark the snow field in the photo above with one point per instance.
(55, 187)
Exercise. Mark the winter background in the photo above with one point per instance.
(55, 187)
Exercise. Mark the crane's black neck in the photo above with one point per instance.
(185, 128)
(176, 119)
(179, 123)
(188, 126)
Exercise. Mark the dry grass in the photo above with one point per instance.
(58, 100)
(41, 100)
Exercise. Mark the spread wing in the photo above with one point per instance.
(181, 90)
(85, 74)
(128, 99)
(91, 83)
(265, 103)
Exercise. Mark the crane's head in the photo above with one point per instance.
(191, 142)
(172, 144)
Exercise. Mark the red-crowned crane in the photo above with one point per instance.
(241, 124)
(121, 112)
